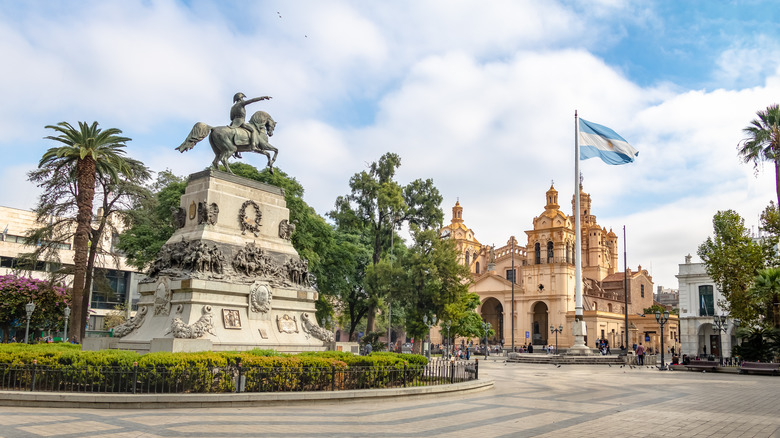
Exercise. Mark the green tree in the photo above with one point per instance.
(50, 303)
(434, 283)
(346, 262)
(763, 141)
(86, 153)
(149, 222)
(732, 259)
(378, 204)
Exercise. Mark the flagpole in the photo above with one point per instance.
(625, 283)
(577, 225)
(578, 328)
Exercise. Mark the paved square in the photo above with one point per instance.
(528, 400)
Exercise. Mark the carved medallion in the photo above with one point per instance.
(192, 210)
(287, 324)
(250, 220)
(231, 319)
(260, 297)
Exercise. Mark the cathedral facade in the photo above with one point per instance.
(540, 276)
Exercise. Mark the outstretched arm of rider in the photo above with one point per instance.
(256, 99)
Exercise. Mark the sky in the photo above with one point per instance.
(479, 96)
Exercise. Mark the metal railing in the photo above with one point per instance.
(205, 379)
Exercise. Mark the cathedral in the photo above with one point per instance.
(540, 276)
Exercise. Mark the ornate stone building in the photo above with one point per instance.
(541, 274)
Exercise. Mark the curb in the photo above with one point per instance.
(168, 401)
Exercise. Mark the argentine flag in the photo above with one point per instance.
(599, 141)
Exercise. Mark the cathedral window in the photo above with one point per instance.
(537, 253)
(549, 252)
(511, 275)
(642, 291)
(609, 307)
(477, 267)
(468, 258)
(568, 258)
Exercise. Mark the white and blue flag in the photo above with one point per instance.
(599, 141)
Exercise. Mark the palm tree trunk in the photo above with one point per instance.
(777, 181)
(85, 183)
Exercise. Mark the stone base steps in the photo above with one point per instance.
(559, 359)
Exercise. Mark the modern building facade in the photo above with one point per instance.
(115, 282)
(699, 296)
(540, 276)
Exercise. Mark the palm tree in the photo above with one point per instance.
(86, 152)
(766, 291)
(763, 142)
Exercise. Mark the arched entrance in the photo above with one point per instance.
(539, 324)
(493, 312)
(708, 341)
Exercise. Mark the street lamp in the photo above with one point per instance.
(430, 324)
(662, 320)
(29, 308)
(556, 331)
(447, 326)
(721, 325)
(67, 316)
(486, 326)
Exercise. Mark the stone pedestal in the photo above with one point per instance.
(228, 278)
(579, 348)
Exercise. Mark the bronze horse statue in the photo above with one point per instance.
(227, 140)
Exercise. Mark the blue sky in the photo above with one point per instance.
(479, 96)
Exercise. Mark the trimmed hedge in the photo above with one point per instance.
(262, 370)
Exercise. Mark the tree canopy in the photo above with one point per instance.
(733, 259)
(377, 205)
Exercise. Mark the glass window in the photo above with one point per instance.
(537, 253)
(549, 252)
(477, 267)
(642, 291)
(511, 275)
(706, 301)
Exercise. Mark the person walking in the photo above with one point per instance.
(640, 354)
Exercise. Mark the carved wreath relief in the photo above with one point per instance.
(287, 324)
(231, 319)
(260, 297)
(250, 221)
(131, 324)
(197, 330)
(207, 214)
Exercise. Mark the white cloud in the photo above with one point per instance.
(479, 96)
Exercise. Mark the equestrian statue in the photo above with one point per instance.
(239, 136)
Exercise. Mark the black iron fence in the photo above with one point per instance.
(205, 379)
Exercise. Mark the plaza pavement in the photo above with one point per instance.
(527, 400)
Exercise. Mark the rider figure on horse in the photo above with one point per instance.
(238, 117)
